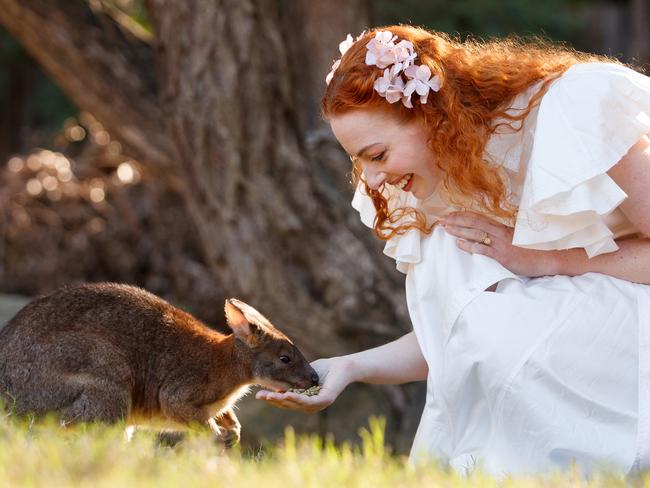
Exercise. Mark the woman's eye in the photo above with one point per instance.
(378, 157)
(285, 359)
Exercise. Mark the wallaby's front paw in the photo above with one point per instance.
(229, 437)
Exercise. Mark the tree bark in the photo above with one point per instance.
(276, 231)
(100, 67)
(313, 31)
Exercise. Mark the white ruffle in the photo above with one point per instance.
(586, 122)
(403, 248)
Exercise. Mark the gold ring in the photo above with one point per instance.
(486, 239)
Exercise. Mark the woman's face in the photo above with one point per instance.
(389, 151)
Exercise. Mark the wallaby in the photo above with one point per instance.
(107, 352)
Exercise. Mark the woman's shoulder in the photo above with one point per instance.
(587, 120)
(599, 68)
(584, 80)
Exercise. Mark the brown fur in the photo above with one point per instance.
(106, 352)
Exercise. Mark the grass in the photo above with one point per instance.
(34, 454)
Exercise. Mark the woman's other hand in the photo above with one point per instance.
(334, 377)
(478, 234)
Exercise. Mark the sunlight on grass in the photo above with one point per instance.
(43, 454)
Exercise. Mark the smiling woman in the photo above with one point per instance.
(530, 304)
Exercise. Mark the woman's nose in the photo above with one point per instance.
(374, 178)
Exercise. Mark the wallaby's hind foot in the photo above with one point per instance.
(98, 401)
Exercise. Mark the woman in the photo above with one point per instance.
(510, 183)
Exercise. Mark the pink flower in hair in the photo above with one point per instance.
(346, 44)
(390, 86)
(330, 75)
(343, 48)
(381, 50)
(395, 60)
(420, 82)
(405, 53)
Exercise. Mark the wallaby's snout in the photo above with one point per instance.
(277, 362)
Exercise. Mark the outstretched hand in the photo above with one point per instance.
(478, 234)
(333, 377)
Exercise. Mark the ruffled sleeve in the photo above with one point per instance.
(403, 248)
(586, 122)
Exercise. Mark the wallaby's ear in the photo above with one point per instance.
(237, 321)
(247, 323)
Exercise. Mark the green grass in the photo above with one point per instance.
(43, 454)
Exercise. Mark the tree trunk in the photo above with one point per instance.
(276, 231)
(313, 31)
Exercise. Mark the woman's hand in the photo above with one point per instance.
(481, 235)
(334, 377)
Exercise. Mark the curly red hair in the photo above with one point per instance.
(479, 81)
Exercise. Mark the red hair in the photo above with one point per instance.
(479, 82)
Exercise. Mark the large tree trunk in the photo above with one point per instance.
(275, 229)
(233, 109)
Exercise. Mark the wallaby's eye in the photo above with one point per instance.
(285, 359)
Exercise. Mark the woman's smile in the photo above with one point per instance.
(404, 183)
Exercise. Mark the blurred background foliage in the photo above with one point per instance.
(488, 18)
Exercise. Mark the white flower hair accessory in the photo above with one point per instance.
(401, 77)
(343, 48)
(398, 61)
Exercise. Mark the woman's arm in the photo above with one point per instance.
(631, 262)
(400, 361)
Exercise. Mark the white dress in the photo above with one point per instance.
(547, 371)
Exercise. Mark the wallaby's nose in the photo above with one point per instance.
(314, 379)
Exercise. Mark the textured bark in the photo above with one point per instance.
(313, 31)
(277, 231)
(101, 68)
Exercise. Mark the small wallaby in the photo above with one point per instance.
(107, 352)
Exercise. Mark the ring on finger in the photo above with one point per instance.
(486, 239)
